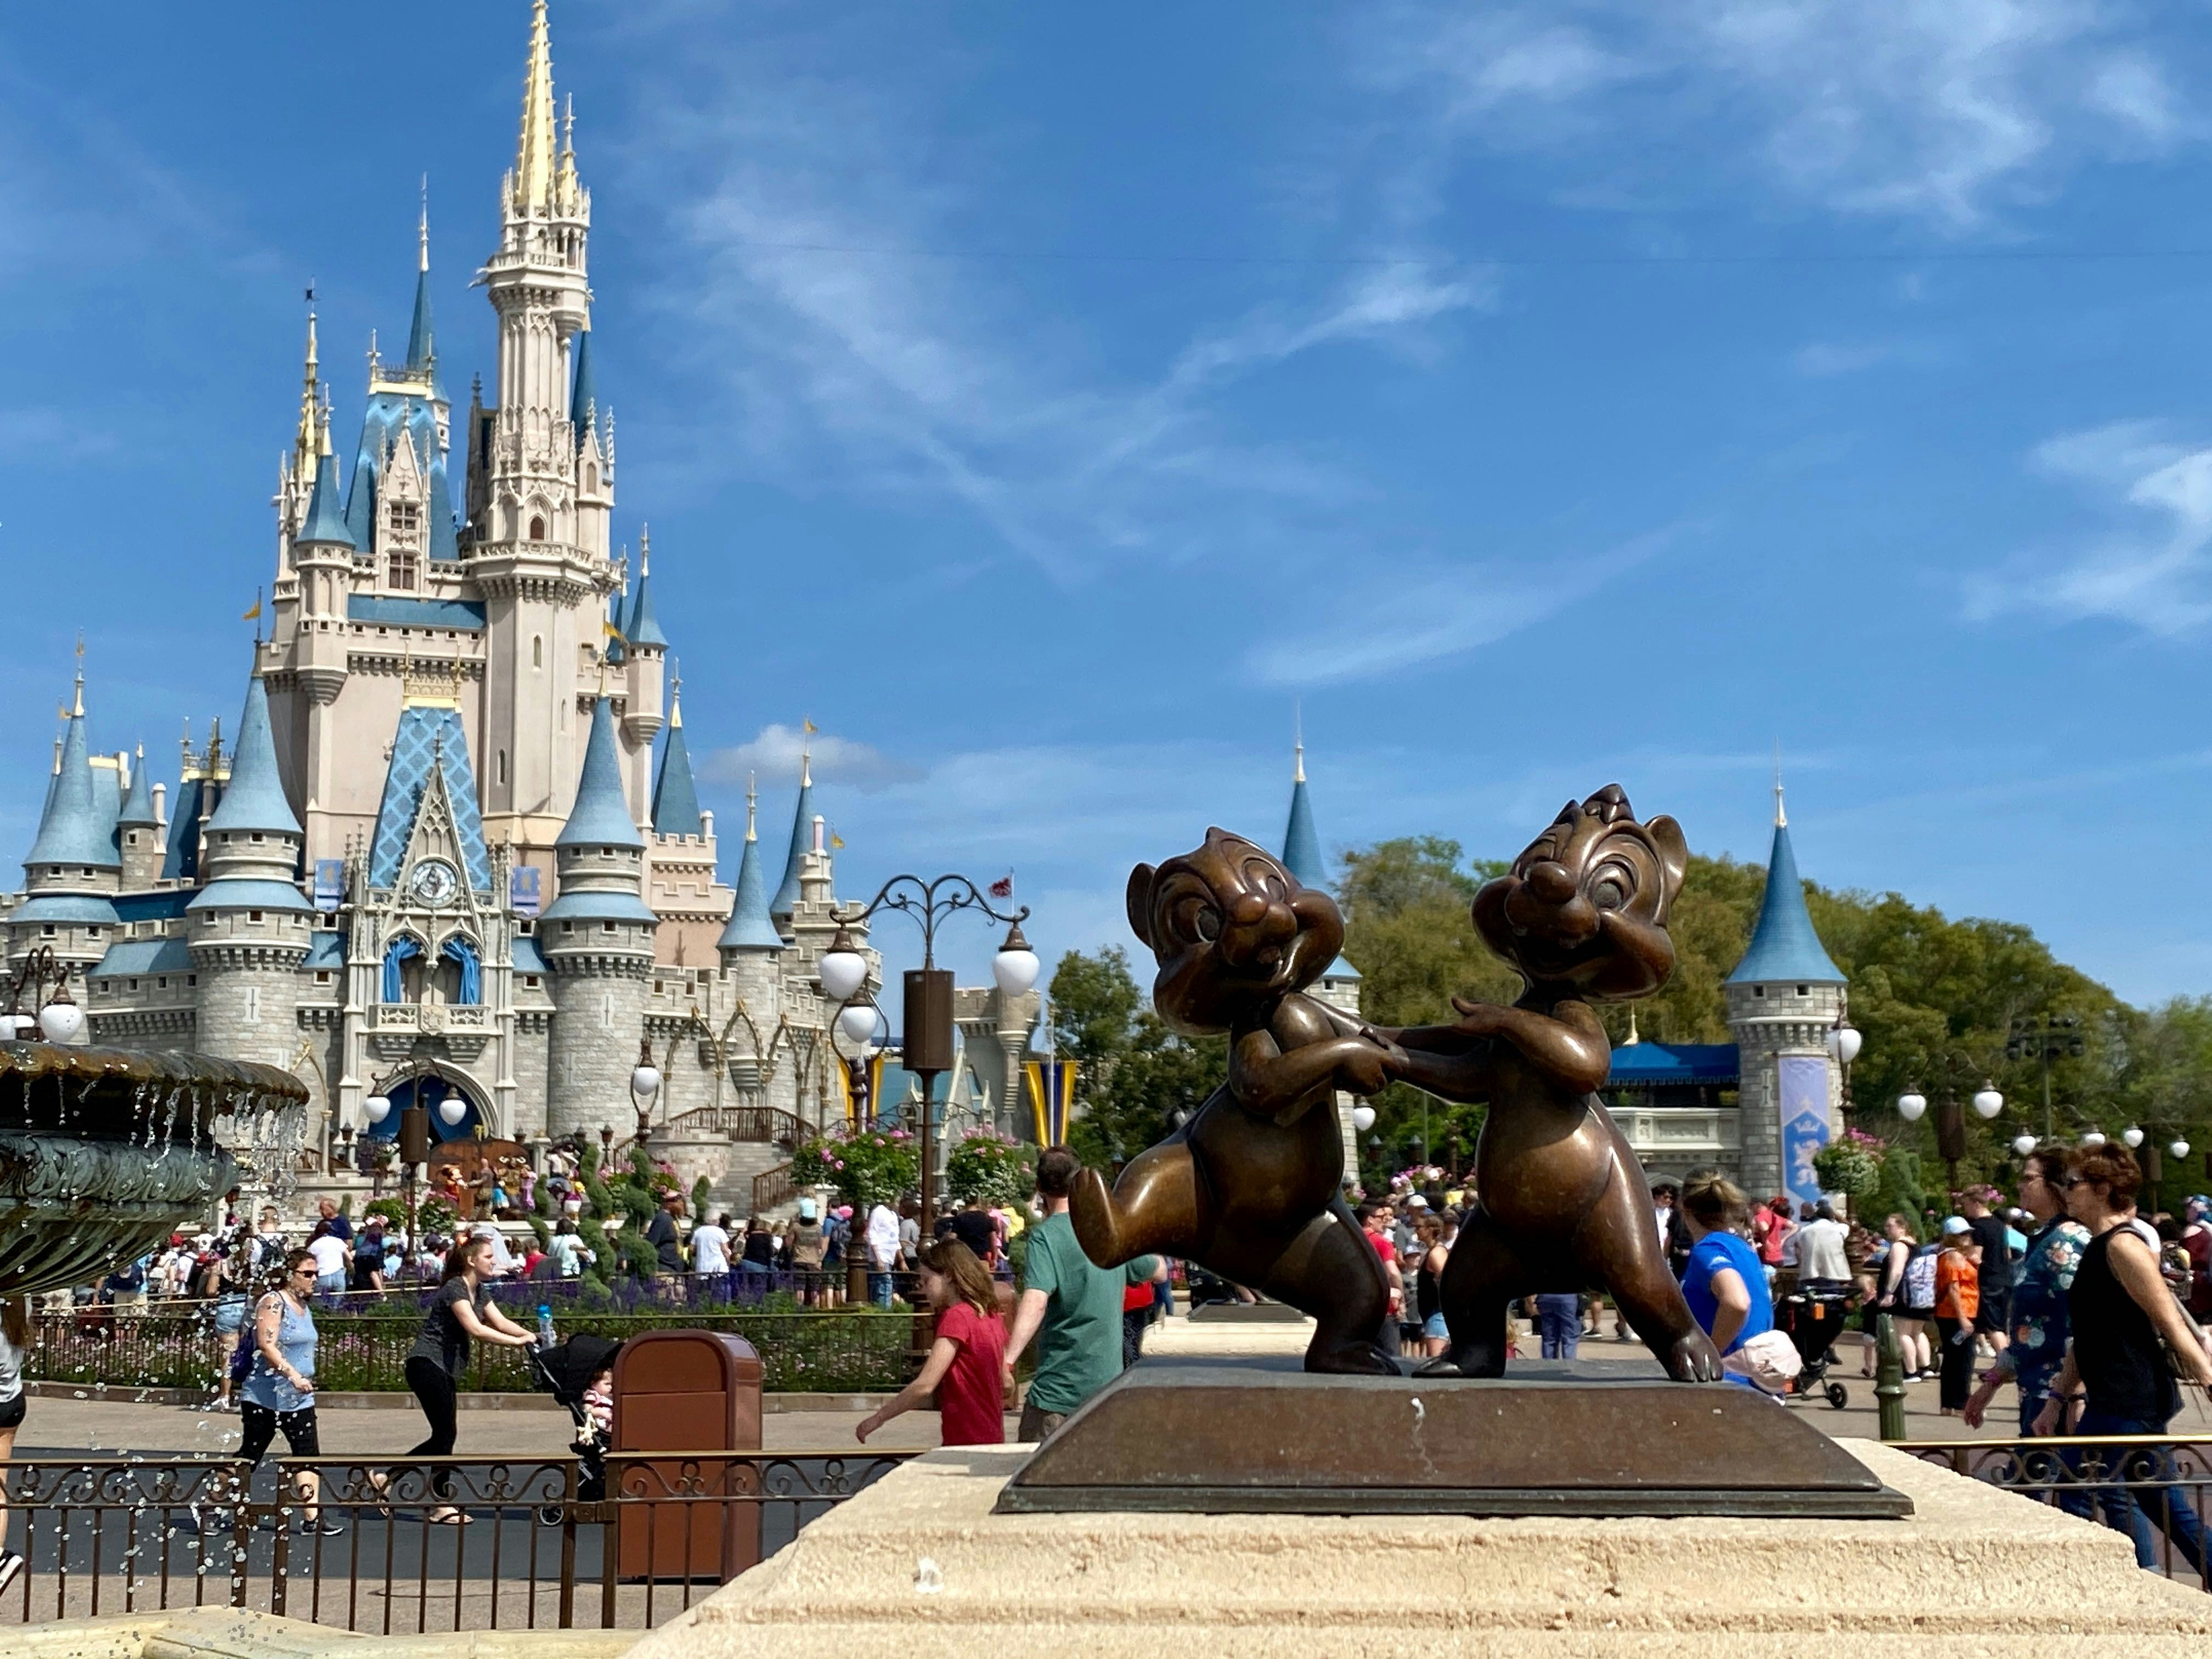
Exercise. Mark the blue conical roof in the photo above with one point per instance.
(750, 927)
(76, 829)
(422, 348)
(601, 814)
(1783, 946)
(643, 628)
(138, 810)
(802, 842)
(254, 797)
(325, 520)
(1301, 845)
(675, 799)
(586, 390)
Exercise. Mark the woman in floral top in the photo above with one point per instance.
(2039, 1302)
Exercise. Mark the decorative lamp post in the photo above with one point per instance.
(928, 1022)
(2131, 1137)
(1988, 1102)
(1845, 1040)
(1952, 1069)
(2094, 1137)
(2045, 1038)
(2179, 1150)
(2022, 1146)
(1911, 1105)
(414, 1135)
(1363, 1117)
(644, 1084)
(44, 1012)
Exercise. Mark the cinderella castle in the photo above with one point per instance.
(453, 846)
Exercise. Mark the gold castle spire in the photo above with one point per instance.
(535, 159)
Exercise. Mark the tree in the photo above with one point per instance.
(1133, 1072)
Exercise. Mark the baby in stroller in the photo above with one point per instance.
(580, 1374)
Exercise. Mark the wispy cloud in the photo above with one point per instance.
(777, 749)
(1944, 112)
(850, 352)
(2152, 565)
(1411, 615)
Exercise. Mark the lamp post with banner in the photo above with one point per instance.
(927, 1038)
(414, 1134)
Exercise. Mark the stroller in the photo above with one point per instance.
(1813, 1319)
(564, 1371)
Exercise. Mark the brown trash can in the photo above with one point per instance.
(686, 1391)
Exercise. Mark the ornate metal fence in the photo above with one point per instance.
(2155, 1489)
(375, 1546)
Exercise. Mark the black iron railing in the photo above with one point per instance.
(2156, 1489)
(372, 1546)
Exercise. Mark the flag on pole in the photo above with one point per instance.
(253, 615)
(613, 632)
(1003, 887)
(809, 727)
(835, 840)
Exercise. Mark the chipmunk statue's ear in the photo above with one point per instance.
(1140, 904)
(1674, 851)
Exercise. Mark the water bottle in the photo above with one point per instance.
(545, 1338)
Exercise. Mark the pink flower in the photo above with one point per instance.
(839, 1165)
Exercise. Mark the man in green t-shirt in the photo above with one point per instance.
(1070, 1306)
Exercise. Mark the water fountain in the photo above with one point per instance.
(105, 1153)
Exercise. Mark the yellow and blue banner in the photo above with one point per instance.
(870, 1094)
(1052, 1097)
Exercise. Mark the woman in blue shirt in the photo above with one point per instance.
(1724, 1283)
(279, 1391)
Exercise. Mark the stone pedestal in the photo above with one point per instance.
(919, 1565)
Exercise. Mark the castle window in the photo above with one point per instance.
(403, 516)
(322, 976)
(132, 984)
(91, 931)
(538, 650)
(254, 915)
(133, 840)
(162, 983)
(566, 927)
(1758, 990)
(606, 927)
(257, 835)
(536, 528)
(46, 931)
(503, 766)
(530, 981)
(1801, 990)
(399, 568)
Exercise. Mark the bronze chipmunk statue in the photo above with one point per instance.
(1250, 1187)
(1562, 1203)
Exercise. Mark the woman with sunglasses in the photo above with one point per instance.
(279, 1391)
(2129, 1339)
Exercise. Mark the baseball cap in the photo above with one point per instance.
(1417, 1202)
(1956, 1223)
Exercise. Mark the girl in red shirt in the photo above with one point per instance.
(966, 1357)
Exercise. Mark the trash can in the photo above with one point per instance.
(693, 1392)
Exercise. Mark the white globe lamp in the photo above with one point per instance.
(644, 1081)
(1363, 1117)
(1015, 967)
(2131, 1137)
(61, 1021)
(2022, 1146)
(2179, 1149)
(377, 1107)
(452, 1109)
(857, 1020)
(1844, 1042)
(1988, 1102)
(2094, 1137)
(1911, 1105)
(843, 970)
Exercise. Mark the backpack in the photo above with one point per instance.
(249, 1346)
(1920, 1277)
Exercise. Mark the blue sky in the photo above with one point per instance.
(1046, 400)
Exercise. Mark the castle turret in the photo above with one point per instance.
(1782, 1000)
(138, 830)
(598, 941)
(248, 925)
(751, 932)
(73, 869)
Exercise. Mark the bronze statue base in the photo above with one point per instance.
(1220, 1436)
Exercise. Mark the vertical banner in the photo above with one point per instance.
(862, 1085)
(1052, 1097)
(522, 889)
(1804, 1108)
(330, 884)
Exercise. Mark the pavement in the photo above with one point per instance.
(116, 1423)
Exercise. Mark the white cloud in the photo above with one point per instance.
(2151, 567)
(776, 752)
(1944, 112)
(1411, 615)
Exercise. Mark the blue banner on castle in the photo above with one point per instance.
(330, 884)
(1804, 1080)
(522, 889)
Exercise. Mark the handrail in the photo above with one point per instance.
(773, 1186)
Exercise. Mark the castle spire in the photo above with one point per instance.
(802, 836)
(534, 160)
(1300, 843)
(422, 349)
(675, 796)
(1785, 945)
(751, 927)
(304, 449)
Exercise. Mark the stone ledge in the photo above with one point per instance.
(240, 1633)
(920, 1554)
